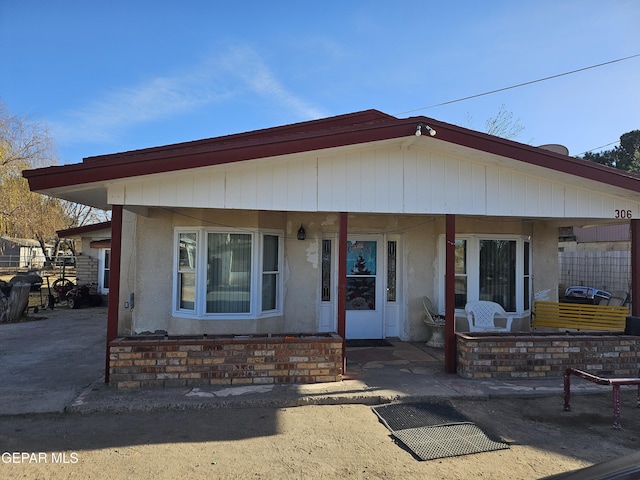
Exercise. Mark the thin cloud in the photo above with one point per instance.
(239, 73)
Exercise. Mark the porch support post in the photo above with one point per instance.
(114, 280)
(450, 295)
(635, 267)
(342, 285)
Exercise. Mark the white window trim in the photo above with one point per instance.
(255, 311)
(473, 259)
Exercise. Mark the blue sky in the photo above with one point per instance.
(112, 76)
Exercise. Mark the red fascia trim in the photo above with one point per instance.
(540, 157)
(181, 157)
(106, 243)
(351, 129)
(73, 232)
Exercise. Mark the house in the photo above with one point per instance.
(93, 254)
(325, 230)
(21, 253)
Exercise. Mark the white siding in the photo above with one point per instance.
(376, 180)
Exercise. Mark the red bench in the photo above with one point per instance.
(614, 382)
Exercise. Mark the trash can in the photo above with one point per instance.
(632, 326)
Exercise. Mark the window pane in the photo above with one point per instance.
(106, 269)
(361, 275)
(460, 291)
(498, 272)
(269, 291)
(361, 258)
(460, 273)
(326, 270)
(270, 269)
(270, 253)
(228, 273)
(391, 271)
(186, 271)
(361, 293)
(527, 292)
(461, 256)
(187, 290)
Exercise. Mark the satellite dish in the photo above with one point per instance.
(556, 148)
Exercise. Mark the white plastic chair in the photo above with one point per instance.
(481, 315)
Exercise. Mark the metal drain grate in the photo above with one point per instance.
(435, 430)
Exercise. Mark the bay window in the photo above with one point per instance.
(495, 269)
(227, 274)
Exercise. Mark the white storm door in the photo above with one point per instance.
(365, 287)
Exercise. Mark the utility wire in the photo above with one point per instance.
(519, 85)
(598, 148)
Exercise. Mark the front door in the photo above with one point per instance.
(365, 287)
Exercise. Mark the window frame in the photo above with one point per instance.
(473, 268)
(256, 274)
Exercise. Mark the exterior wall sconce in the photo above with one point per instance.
(301, 233)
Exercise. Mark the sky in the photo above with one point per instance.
(112, 76)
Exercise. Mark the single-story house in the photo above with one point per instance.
(21, 253)
(93, 254)
(328, 229)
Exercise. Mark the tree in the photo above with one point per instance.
(625, 156)
(26, 144)
(501, 125)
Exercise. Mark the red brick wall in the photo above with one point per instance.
(197, 361)
(545, 355)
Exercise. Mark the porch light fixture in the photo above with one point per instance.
(301, 233)
(420, 126)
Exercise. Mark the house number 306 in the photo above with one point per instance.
(623, 214)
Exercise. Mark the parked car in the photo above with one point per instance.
(582, 294)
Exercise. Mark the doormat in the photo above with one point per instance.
(374, 342)
(433, 431)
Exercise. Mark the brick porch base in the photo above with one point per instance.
(136, 362)
(542, 355)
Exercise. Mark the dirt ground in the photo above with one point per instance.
(310, 442)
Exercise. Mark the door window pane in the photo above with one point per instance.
(361, 275)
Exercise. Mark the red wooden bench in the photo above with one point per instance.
(614, 382)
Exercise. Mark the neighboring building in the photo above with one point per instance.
(93, 254)
(341, 224)
(21, 253)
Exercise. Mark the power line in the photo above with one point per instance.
(598, 148)
(519, 85)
